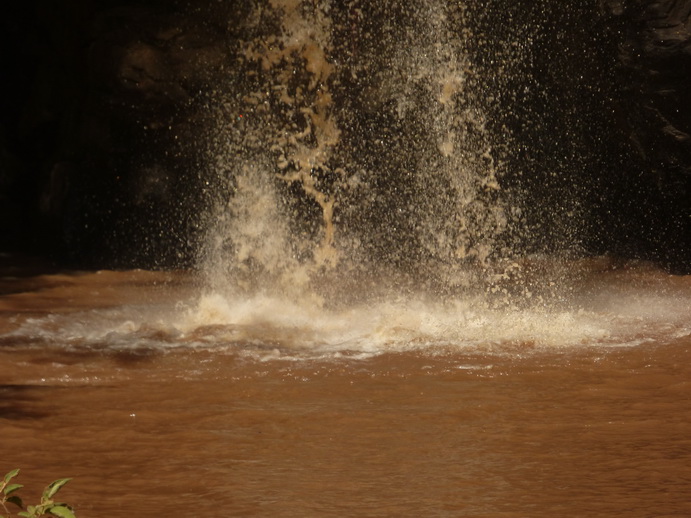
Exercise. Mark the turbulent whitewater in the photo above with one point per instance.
(607, 305)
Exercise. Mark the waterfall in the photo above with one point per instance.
(350, 149)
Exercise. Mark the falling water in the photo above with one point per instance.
(359, 205)
(354, 153)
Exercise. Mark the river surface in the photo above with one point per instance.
(162, 399)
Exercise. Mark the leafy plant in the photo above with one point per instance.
(47, 506)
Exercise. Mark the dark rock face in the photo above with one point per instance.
(135, 165)
(655, 58)
(99, 133)
(599, 107)
(108, 102)
(550, 68)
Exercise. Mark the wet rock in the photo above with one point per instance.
(102, 126)
(655, 112)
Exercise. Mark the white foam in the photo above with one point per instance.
(415, 324)
(607, 313)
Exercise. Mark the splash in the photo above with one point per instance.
(287, 137)
(359, 210)
(151, 313)
(352, 157)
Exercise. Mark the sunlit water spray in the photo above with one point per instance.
(144, 312)
(361, 158)
(359, 211)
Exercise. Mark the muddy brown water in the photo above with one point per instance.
(101, 381)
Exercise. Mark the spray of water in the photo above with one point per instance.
(353, 157)
(360, 204)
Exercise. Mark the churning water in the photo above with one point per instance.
(605, 306)
(362, 336)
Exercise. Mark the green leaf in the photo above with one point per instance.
(62, 511)
(25, 514)
(11, 475)
(12, 488)
(54, 487)
(14, 499)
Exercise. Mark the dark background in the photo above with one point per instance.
(105, 109)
